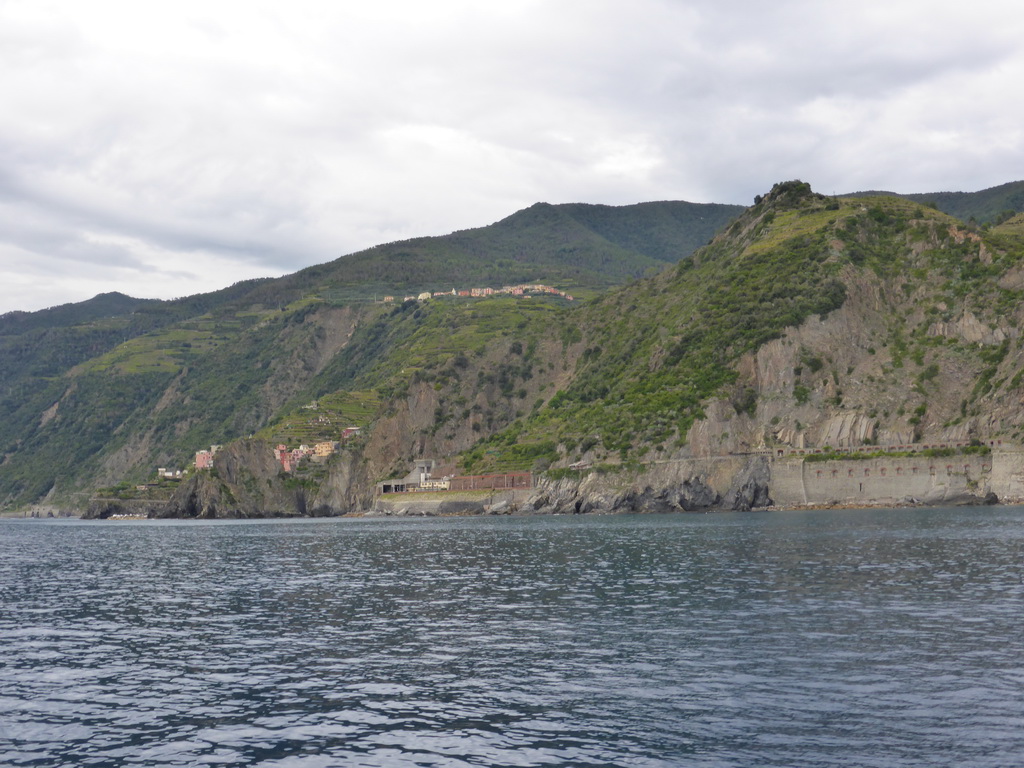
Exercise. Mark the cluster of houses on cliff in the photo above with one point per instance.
(203, 460)
(524, 289)
(289, 458)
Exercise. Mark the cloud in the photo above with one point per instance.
(257, 138)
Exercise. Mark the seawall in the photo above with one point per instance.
(937, 480)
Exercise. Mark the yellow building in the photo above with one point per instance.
(324, 449)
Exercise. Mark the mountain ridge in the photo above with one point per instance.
(986, 206)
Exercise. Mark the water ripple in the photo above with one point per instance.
(875, 638)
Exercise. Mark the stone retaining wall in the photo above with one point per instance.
(795, 482)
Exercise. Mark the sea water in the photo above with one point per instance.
(828, 638)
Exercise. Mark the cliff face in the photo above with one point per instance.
(347, 488)
(880, 370)
(471, 396)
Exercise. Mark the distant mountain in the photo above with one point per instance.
(665, 231)
(48, 343)
(103, 305)
(988, 206)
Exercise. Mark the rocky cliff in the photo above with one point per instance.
(246, 481)
(688, 485)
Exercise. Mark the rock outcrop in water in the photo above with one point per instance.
(105, 509)
(727, 483)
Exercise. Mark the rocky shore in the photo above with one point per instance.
(245, 485)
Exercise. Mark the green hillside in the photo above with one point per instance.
(657, 351)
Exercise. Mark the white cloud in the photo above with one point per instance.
(257, 137)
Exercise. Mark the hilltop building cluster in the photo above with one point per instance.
(523, 289)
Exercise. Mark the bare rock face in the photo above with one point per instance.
(441, 418)
(691, 496)
(347, 488)
(896, 434)
(750, 487)
(846, 429)
(958, 497)
(680, 486)
(968, 328)
(461, 508)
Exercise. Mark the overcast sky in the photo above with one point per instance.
(168, 148)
